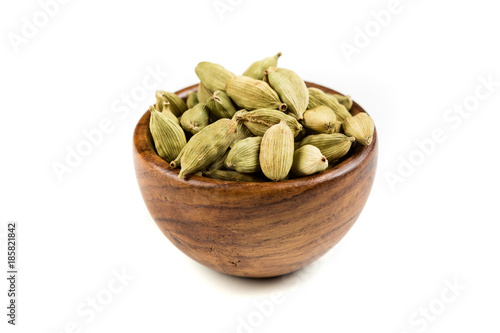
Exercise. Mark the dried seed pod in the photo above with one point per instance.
(290, 88)
(195, 119)
(346, 101)
(233, 176)
(276, 151)
(213, 76)
(177, 162)
(219, 164)
(161, 102)
(244, 155)
(319, 97)
(166, 111)
(176, 104)
(336, 128)
(308, 160)
(361, 126)
(256, 70)
(220, 105)
(321, 119)
(203, 94)
(333, 146)
(192, 100)
(207, 146)
(243, 132)
(259, 121)
(168, 136)
(253, 94)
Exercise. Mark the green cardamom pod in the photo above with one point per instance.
(207, 146)
(203, 94)
(319, 97)
(233, 176)
(244, 155)
(253, 94)
(346, 101)
(333, 146)
(256, 70)
(177, 162)
(243, 131)
(266, 75)
(161, 102)
(308, 160)
(176, 104)
(321, 119)
(361, 126)
(168, 136)
(291, 89)
(213, 76)
(192, 100)
(276, 151)
(219, 164)
(220, 105)
(195, 119)
(259, 121)
(166, 111)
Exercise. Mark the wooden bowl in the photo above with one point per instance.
(254, 230)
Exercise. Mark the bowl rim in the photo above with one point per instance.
(143, 149)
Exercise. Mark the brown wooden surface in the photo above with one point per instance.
(254, 229)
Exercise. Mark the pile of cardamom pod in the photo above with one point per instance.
(263, 124)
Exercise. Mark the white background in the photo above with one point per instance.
(437, 225)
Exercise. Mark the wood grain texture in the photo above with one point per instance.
(254, 230)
